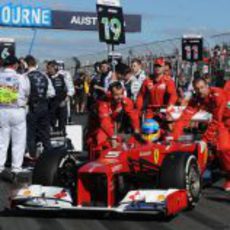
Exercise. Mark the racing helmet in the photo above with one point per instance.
(150, 130)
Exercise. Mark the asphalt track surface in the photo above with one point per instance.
(212, 212)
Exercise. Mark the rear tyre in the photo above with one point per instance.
(181, 171)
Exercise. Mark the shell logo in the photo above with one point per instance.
(160, 198)
(27, 193)
(156, 156)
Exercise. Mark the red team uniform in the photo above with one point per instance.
(160, 90)
(218, 131)
(108, 113)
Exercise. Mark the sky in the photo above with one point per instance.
(161, 19)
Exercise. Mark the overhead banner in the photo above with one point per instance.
(36, 17)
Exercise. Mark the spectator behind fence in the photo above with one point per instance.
(102, 85)
(132, 85)
(138, 72)
(95, 80)
(81, 92)
(168, 69)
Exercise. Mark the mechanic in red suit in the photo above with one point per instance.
(110, 110)
(215, 101)
(160, 88)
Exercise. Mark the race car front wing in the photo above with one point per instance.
(36, 197)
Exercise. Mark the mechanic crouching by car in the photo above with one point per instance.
(58, 104)
(215, 101)
(109, 114)
(38, 120)
(14, 92)
(159, 89)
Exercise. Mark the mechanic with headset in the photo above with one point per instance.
(160, 89)
(215, 101)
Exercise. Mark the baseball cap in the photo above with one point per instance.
(159, 62)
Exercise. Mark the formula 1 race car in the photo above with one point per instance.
(162, 177)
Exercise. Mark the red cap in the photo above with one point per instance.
(159, 61)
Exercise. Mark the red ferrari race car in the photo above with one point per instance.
(161, 177)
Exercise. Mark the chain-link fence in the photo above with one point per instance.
(219, 43)
(144, 51)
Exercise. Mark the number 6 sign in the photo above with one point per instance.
(7, 47)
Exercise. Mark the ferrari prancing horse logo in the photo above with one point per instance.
(156, 156)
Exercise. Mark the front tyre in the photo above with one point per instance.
(181, 171)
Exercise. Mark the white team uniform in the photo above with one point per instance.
(13, 117)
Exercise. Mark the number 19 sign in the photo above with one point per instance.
(192, 48)
(111, 24)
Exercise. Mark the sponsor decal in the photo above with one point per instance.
(38, 17)
(204, 151)
(93, 166)
(146, 153)
(136, 196)
(60, 195)
(205, 157)
(160, 198)
(24, 16)
(84, 20)
(27, 192)
(113, 154)
(116, 168)
(109, 2)
(108, 161)
(156, 156)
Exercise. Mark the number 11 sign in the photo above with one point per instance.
(111, 24)
(192, 48)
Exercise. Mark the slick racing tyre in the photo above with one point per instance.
(181, 171)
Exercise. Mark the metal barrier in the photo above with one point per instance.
(144, 51)
(166, 48)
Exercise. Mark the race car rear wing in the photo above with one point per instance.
(177, 111)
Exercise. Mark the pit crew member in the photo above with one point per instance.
(110, 113)
(160, 88)
(215, 101)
